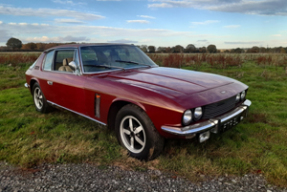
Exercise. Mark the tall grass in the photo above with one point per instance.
(18, 58)
(220, 61)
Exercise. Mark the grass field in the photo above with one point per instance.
(258, 145)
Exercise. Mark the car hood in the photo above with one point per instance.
(169, 81)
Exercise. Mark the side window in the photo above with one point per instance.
(49, 61)
(62, 60)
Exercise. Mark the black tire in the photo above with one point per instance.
(145, 139)
(39, 99)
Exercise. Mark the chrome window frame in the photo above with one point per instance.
(54, 57)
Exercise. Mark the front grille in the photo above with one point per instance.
(221, 107)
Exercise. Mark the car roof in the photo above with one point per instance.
(83, 45)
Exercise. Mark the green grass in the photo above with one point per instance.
(258, 145)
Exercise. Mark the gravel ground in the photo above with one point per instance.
(85, 177)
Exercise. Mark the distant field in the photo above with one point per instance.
(258, 145)
(21, 52)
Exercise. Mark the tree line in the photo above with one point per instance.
(16, 44)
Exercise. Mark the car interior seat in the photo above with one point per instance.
(66, 66)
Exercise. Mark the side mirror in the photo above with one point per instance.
(75, 67)
(73, 64)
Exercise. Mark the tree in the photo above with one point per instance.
(178, 49)
(161, 49)
(202, 50)
(14, 43)
(211, 49)
(254, 49)
(190, 48)
(40, 46)
(168, 50)
(237, 50)
(29, 46)
(143, 48)
(151, 49)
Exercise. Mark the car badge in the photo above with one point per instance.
(223, 92)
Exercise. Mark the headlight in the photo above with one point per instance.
(187, 117)
(197, 113)
(242, 95)
(237, 97)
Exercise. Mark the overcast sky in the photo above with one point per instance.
(225, 23)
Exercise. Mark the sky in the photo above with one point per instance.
(224, 23)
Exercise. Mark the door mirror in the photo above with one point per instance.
(73, 64)
(75, 67)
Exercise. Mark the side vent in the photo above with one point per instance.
(97, 105)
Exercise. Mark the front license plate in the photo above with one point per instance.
(229, 123)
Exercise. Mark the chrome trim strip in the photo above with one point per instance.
(189, 130)
(76, 113)
(208, 124)
(232, 114)
(26, 85)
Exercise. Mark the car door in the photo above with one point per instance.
(65, 87)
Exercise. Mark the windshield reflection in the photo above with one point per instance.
(109, 57)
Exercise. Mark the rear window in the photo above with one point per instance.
(49, 61)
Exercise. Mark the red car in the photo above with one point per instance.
(120, 86)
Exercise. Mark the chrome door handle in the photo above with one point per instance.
(50, 82)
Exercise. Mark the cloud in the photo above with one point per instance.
(138, 21)
(46, 12)
(101, 34)
(260, 7)
(170, 4)
(68, 2)
(232, 26)
(22, 23)
(1, 22)
(91, 31)
(123, 41)
(264, 7)
(146, 16)
(277, 35)
(243, 42)
(56, 39)
(12, 23)
(69, 21)
(203, 40)
(35, 24)
(205, 22)
(4, 35)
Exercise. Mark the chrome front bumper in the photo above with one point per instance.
(209, 125)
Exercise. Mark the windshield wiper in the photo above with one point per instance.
(133, 62)
(89, 65)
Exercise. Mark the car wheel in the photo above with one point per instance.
(40, 100)
(137, 134)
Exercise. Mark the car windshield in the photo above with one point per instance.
(108, 57)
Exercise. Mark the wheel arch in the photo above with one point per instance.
(32, 83)
(116, 105)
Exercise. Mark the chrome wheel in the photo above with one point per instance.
(132, 134)
(38, 98)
